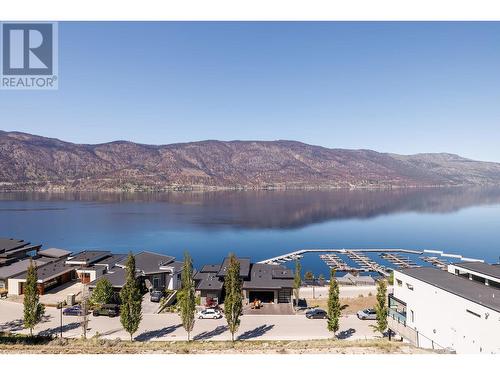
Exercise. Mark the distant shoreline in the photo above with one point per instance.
(207, 189)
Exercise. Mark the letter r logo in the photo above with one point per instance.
(27, 49)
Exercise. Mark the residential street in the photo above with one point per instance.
(168, 326)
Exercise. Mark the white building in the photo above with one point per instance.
(457, 310)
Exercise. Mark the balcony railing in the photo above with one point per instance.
(397, 316)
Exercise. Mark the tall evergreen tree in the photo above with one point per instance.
(33, 309)
(334, 307)
(102, 293)
(233, 304)
(187, 295)
(381, 307)
(131, 298)
(297, 282)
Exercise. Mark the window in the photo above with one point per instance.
(399, 282)
(412, 314)
(156, 282)
(409, 286)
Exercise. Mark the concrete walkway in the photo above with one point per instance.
(168, 326)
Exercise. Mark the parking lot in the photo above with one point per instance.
(169, 327)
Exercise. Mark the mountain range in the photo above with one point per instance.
(31, 162)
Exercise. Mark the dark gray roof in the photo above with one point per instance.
(244, 267)
(94, 267)
(7, 244)
(460, 286)
(88, 257)
(45, 259)
(177, 265)
(484, 268)
(19, 267)
(262, 276)
(149, 263)
(10, 247)
(54, 253)
(208, 281)
(116, 276)
(282, 273)
(210, 268)
(111, 260)
(50, 270)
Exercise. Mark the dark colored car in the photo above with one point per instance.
(156, 295)
(73, 310)
(316, 314)
(110, 310)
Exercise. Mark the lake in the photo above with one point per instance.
(259, 224)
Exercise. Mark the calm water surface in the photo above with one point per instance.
(259, 224)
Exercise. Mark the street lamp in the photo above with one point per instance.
(60, 307)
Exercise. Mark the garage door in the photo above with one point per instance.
(284, 296)
(263, 296)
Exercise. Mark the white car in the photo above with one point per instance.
(367, 314)
(209, 314)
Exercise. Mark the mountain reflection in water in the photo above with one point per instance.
(275, 209)
(259, 224)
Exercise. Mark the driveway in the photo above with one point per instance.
(149, 307)
(60, 293)
(269, 309)
(168, 326)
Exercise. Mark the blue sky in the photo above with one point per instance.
(391, 87)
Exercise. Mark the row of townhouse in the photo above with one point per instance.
(55, 267)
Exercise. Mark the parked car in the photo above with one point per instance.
(156, 295)
(367, 314)
(110, 310)
(74, 310)
(316, 314)
(209, 314)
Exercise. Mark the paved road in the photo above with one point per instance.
(168, 326)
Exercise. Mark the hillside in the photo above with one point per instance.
(30, 162)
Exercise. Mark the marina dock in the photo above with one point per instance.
(398, 260)
(334, 261)
(435, 262)
(366, 264)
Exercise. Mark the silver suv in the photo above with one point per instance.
(367, 314)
